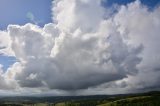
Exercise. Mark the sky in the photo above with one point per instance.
(79, 47)
(21, 11)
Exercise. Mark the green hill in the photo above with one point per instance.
(139, 99)
(150, 100)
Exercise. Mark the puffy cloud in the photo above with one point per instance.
(142, 28)
(76, 58)
(4, 82)
(83, 50)
(90, 59)
(29, 41)
(73, 14)
(5, 44)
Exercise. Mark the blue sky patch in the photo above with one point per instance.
(7, 61)
(39, 11)
(16, 12)
(150, 3)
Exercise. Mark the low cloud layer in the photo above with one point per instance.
(83, 51)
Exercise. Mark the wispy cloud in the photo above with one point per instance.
(32, 18)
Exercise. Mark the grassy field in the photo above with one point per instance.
(145, 99)
(135, 101)
(60, 104)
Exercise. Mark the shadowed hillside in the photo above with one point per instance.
(142, 99)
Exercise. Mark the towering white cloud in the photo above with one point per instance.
(82, 49)
(5, 44)
(77, 14)
(142, 28)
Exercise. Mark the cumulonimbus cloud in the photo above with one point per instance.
(83, 49)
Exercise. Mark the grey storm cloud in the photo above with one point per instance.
(83, 50)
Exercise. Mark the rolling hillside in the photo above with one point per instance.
(142, 99)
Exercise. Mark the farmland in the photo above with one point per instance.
(143, 99)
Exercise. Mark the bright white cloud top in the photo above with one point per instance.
(82, 51)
